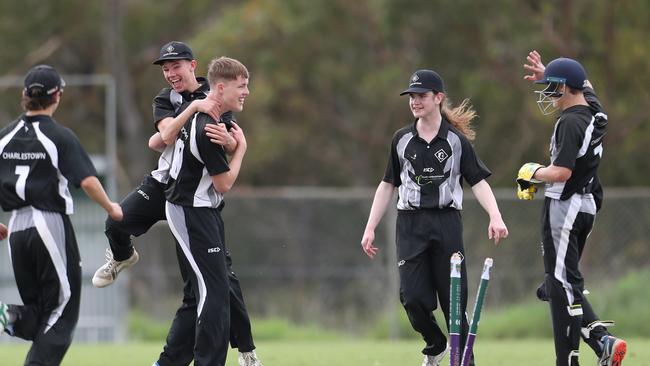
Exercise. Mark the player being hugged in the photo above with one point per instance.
(200, 175)
(38, 159)
(427, 160)
(573, 195)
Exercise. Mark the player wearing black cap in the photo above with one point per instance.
(427, 160)
(38, 159)
(199, 177)
(573, 195)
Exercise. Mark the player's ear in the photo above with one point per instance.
(193, 64)
(439, 97)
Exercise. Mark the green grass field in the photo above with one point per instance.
(335, 353)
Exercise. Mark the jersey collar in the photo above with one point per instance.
(36, 118)
(200, 93)
(442, 131)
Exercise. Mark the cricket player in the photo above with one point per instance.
(200, 175)
(172, 108)
(428, 158)
(573, 195)
(38, 159)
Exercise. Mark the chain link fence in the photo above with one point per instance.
(297, 253)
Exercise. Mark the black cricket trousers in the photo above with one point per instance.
(47, 267)
(426, 240)
(142, 208)
(565, 228)
(199, 232)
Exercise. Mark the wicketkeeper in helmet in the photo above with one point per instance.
(573, 195)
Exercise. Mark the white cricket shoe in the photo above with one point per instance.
(249, 359)
(434, 360)
(107, 273)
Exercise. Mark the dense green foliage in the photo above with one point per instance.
(326, 74)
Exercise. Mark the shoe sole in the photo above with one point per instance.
(101, 283)
(619, 351)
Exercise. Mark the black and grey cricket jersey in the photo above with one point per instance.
(170, 103)
(38, 158)
(577, 144)
(195, 160)
(428, 175)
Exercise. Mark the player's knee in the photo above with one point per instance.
(414, 301)
(109, 224)
(114, 234)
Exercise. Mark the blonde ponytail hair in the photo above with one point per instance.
(460, 117)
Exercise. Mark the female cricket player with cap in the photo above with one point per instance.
(427, 160)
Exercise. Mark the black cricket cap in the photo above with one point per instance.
(42, 81)
(174, 50)
(423, 81)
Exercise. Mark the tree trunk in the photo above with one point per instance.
(131, 137)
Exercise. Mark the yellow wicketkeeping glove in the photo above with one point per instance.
(525, 183)
(526, 194)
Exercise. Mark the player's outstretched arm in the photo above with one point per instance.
(383, 196)
(170, 126)
(3, 231)
(497, 229)
(94, 189)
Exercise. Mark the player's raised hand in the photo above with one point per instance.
(3, 231)
(115, 211)
(497, 230)
(535, 66)
(367, 243)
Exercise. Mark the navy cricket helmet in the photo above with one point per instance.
(565, 71)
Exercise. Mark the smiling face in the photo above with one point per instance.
(234, 93)
(425, 104)
(231, 93)
(228, 80)
(180, 74)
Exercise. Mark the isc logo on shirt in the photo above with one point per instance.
(214, 250)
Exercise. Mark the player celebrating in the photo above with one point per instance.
(200, 176)
(38, 159)
(426, 163)
(172, 107)
(573, 195)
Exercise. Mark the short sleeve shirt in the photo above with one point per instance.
(38, 159)
(428, 174)
(196, 160)
(576, 144)
(170, 103)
